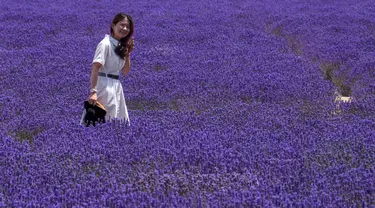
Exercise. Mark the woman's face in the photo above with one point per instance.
(121, 29)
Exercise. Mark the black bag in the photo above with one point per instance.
(94, 113)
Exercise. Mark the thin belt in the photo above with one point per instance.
(102, 74)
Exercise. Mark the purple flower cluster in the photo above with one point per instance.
(231, 105)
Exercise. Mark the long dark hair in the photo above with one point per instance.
(122, 47)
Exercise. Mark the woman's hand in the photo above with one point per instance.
(93, 98)
(131, 44)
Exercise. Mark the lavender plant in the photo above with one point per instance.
(231, 105)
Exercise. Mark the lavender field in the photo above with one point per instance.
(231, 104)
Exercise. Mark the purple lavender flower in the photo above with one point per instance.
(232, 105)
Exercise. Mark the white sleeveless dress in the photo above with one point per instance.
(110, 93)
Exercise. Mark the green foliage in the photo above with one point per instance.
(26, 135)
(330, 71)
(159, 67)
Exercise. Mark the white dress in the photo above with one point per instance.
(110, 93)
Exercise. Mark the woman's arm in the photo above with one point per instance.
(94, 74)
(126, 68)
(93, 81)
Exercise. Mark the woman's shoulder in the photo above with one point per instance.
(105, 40)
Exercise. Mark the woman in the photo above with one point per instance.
(112, 56)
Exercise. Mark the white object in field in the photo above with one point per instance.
(343, 99)
(339, 100)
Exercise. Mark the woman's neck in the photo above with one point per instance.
(116, 38)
